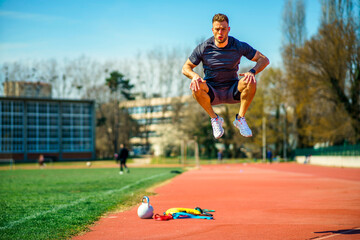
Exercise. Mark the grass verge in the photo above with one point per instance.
(60, 203)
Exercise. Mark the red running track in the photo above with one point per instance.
(254, 201)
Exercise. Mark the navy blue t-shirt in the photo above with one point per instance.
(221, 64)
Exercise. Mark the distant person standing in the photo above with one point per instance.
(122, 157)
(269, 155)
(220, 156)
(307, 158)
(41, 161)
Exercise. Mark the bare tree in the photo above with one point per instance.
(333, 64)
(157, 73)
(294, 35)
(323, 75)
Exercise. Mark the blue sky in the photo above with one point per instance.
(109, 29)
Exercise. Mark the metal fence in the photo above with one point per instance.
(345, 150)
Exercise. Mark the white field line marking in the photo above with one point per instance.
(11, 224)
(333, 235)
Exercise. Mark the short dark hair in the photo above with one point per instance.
(220, 18)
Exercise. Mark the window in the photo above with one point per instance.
(18, 119)
(66, 133)
(66, 121)
(53, 108)
(18, 107)
(87, 133)
(18, 132)
(6, 107)
(43, 120)
(5, 132)
(31, 132)
(86, 109)
(53, 133)
(76, 109)
(141, 121)
(42, 132)
(31, 121)
(53, 120)
(77, 145)
(66, 108)
(18, 145)
(157, 108)
(67, 145)
(6, 119)
(150, 134)
(76, 133)
(42, 145)
(42, 107)
(77, 121)
(6, 145)
(31, 107)
(87, 121)
(54, 145)
(153, 134)
(32, 146)
(87, 145)
(130, 110)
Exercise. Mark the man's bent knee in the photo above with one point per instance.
(198, 94)
(250, 87)
(203, 89)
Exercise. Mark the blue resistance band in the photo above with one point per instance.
(181, 215)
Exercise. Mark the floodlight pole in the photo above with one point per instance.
(183, 152)
(197, 153)
(284, 143)
(264, 138)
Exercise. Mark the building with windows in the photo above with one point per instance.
(154, 116)
(59, 129)
(27, 89)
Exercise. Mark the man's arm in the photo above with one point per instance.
(188, 71)
(261, 63)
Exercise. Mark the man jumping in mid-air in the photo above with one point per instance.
(220, 56)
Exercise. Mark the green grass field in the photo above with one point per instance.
(60, 203)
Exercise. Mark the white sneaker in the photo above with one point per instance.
(216, 124)
(240, 123)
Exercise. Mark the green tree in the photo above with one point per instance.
(119, 85)
(119, 121)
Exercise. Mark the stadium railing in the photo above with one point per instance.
(345, 150)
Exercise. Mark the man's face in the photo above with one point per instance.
(221, 31)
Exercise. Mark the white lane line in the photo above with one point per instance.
(333, 235)
(11, 224)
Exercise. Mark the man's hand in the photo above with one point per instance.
(248, 77)
(194, 85)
